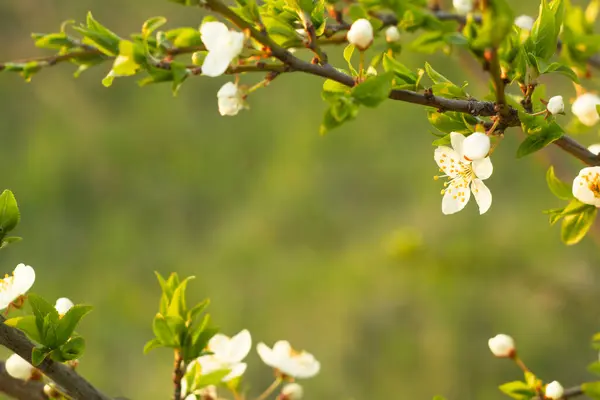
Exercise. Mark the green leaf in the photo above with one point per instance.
(374, 90)
(559, 188)
(177, 306)
(169, 329)
(46, 318)
(448, 122)
(198, 309)
(27, 325)
(71, 350)
(497, 22)
(38, 354)
(537, 141)
(96, 35)
(9, 212)
(342, 109)
(69, 321)
(435, 76)
(594, 368)
(575, 227)
(348, 51)
(152, 344)
(518, 390)
(152, 24)
(10, 240)
(402, 72)
(212, 378)
(591, 389)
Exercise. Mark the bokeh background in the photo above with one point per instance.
(336, 243)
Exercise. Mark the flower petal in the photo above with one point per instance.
(482, 195)
(236, 371)
(24, 278)
(240, 346)
(220, 345)
(483, 168)
(455, 197)
(266, 355)
(235, 43)
(581, 189)
(457, 140)
(215, 63)
(446, 159)
(213, 34)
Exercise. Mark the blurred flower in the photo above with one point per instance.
(63, 305)
(227, 354)
(556, 105)
(584, 108)
(554, 390)
(14, 286)
(502, 346)
(361, 34)
(18, 368)
(595, 148)
(463, 6)
(371, 71)
(230, 99)
(208, 393)
(392, 34)
(524, 22)
(463, 176)
(476, 146)
(223, 46)
(288, 361)
(586, 186)
(291, 391)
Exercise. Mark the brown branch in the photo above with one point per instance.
(569, 393)
(20, 389)
(71, 383)
(178, 373)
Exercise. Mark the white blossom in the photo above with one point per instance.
(392, 34)
(463, 6)
(227, 354)
(554, 390)
(556, 105)
(464, 177)
(584, 108)
(502, 346)
(361, 34)
(230, 99)
(586, 186)
(18, 368)
(595, 148)
(288, 361)
(524, 22)
(223, 46)
(63, 305)
(476, 146)
(14, 286)
(292, 391)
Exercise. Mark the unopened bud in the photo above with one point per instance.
(554, 390)
(361, 34)
(392, 34)
(556, 105)
(502, 346)
(292, 391)
(476, 146)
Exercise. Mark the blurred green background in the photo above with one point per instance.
(335, 243)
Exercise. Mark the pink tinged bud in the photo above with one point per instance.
(556, 105)
(502, 346)
(361, 34)
(476, 146)
(554, 391)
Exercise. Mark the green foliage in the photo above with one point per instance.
(518, 390)
(540, 133)
(9, 217)
(591, 389)
(559, 188)
(374, 90)
(497, 22)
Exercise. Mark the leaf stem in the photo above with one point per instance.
(270, 389)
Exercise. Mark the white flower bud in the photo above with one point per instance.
(392, 34)
(595, 148)
(556, 105)
(524, 22)
(292, 391)
(476, 146)
(584, 108)
(371, 71)
(230, 99)
(361, 34)
(18, 368)
(554, 391)
(463, 6)
(63, 305)
(502, 345)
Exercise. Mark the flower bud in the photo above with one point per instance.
(595, 148)
(502, 346)
(392, 34)
(361, 34)
(584, 108)
(292, 391)
(463, 6)
(18, 368)
(476, 146)
(230, 99)
(556, 105)
(554, 391)
(524, 22)
(63, 305)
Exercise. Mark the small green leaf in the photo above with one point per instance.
(544, 34)
(198, 309)
(152, 344)
(69, 321)
(177, 306)
(71, 350)
(38, 354)
(594, 368)
(10, 240)
(45, 315)
(518, 390)
(591, 389)
(537, 141)
(152, 24)
(559, 188)
(374, 90)
(435, 76)
(575, 227)
(9, 212)
(212, 378)
(27, 325)
(348, 51)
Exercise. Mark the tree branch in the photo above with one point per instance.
(19, 389)
(71, 383)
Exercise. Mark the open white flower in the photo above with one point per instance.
(18, 368)
(288, 361)
(230, 99)
(556, 105)
(361, 34)
(464, 177)
(586, 186)
(227, 354)
(63, 305)
(463, 6)
(292, 391)
(554, 391)
(524, 22)
(392, 34)
(223, 46)
(502, 346)
(584, 108)
(595, 148)
(14, 286)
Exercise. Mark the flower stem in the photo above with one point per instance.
(494, 126)
(270, 389)
(361, 65)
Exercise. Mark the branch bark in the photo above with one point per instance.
(19, 389)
